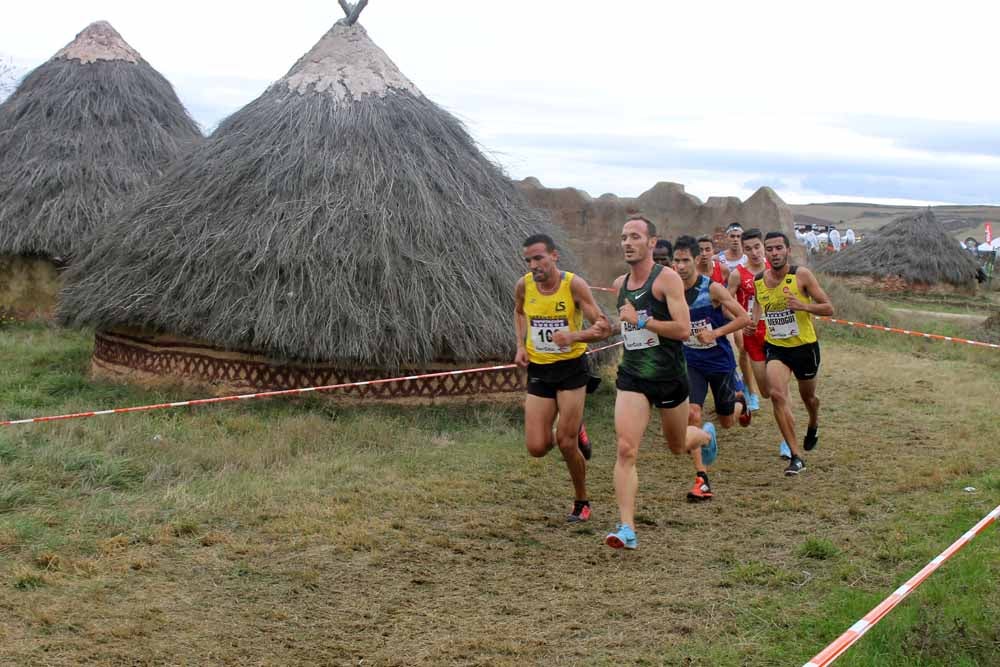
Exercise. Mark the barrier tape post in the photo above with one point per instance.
(858, 630)
(267, 394)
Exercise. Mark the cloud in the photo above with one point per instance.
(940, 136)
(930, 178)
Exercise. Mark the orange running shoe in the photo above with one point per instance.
(701, 490)
(580, 513)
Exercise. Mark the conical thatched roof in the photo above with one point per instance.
(915, 248)
(81, 134)
(340, 216)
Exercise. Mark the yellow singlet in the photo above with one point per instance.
(547, 314)
(785, 327)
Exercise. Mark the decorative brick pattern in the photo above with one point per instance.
(250, 374)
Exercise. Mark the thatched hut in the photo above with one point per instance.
(910, 254)
(339, 227)
(81, 134)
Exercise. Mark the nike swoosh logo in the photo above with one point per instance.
(639, 295)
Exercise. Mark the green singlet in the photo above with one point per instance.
(647, 356)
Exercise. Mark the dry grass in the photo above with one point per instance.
(77, 142)
(301, 534)
(301, 222)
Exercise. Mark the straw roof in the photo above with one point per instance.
(341, 216)
(82, 133)
(915, 248)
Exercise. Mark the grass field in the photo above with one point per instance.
(297, 532)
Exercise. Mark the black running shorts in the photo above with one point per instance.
(661, 394)
(723, 387)
(546, 380)
(803, 360)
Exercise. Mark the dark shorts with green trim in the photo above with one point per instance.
(803, 360)
(545, 380)
(663, 394)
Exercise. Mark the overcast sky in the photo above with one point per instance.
(875, 100)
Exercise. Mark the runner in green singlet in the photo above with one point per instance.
(654, 320)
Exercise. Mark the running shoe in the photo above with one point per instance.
(811, 439)
(710, 451)
(753, 402)
(745, 415)
(795, 466)
(786, 451)
(583, 442)
(580, 513)
(701, 490)
(623, 538)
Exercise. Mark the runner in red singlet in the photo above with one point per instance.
(708, 265)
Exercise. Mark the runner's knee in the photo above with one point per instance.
(627, 451)
(566, 433)
(568, 443)
(538, 447)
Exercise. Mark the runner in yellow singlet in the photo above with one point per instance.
(549, 309)
(787, 297)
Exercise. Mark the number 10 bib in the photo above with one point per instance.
(542, 331)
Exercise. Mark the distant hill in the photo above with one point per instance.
(960, 221)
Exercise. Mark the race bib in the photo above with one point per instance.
(542, 331)
(781, 324)
(693, 342)
(636, 338)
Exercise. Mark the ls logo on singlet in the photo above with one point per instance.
(561, 307)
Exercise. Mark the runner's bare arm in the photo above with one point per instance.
(669, 287)
(738, 316)
(810, 287)
(616, 327)
(520, 325)
(733, 283)
(600, 326)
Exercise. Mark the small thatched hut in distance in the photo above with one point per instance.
(339, 227)
(82, 133)
(910, 254)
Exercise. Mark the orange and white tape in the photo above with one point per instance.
(907, 332)
(266, 394)
(858, 630)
